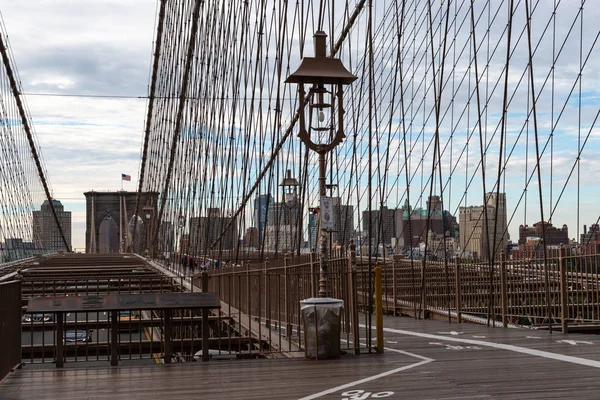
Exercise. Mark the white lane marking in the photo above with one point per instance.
(425, 360)
(453, 333)
(479, 337)
(573, 342)
(509, 347)
(455, 347)
(533, 337)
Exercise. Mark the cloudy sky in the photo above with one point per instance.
(97, 54)
(84, 49)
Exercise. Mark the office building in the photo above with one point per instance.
(261, 209)
(46, 234)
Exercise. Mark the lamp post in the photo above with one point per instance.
(290, 200)
(181, 225)
(327, 77)
(148, 214)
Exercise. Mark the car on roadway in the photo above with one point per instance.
(77, 336)
(128, 320)
(37, 317)
(128, 316)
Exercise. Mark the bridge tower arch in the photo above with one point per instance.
(121, 207)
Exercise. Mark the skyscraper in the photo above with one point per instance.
(205, 230)
(475, 237)
(261, 208)
(344, 223)
(46, 234)
(384, 216)
(498, 200)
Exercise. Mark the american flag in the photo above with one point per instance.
(125, 177)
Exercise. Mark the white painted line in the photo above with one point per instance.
(425, 360)
(509, 347)
(573, 342)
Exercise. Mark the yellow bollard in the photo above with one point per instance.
(378, 309)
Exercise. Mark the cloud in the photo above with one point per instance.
(100, 47)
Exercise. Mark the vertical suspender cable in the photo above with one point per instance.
(538, 166)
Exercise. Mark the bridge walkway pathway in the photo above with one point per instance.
(422, 360)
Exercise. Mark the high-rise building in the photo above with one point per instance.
(261, 208)
(553, 235)
(46, 234)
(343, 223)
(591, 237)
(280, 214)
(204, 231)
(166, 237)
(281, 238)
(381, 232)
(282, 221)
(472, 224)
(498, 200)
(477, 236)
(413, 224)
(251, 237)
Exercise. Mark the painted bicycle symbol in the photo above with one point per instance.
(362, 395)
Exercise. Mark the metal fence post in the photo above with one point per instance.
(267, 298)
(378, 310)
(458, 289)
(397, 259)
(353, 297)
(313, 276)
(564, 309)
(205, 327)
(167, 336)
(114, 331)
(60, 355)
(503, 289)
(424, 288)
(288, 325)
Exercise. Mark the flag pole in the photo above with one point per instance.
(121, 182)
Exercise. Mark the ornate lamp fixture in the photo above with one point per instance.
(327, 77)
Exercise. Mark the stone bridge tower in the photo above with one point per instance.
(109, 220)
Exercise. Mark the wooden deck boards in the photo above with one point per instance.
(423, 360)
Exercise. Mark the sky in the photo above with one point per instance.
(84, 48)
(98, 53)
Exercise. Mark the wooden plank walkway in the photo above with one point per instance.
(423, 360)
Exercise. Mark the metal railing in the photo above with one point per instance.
(563, 289)
(10, 326)
(140, 335)
(264, 299)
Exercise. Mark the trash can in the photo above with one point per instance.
(322, 327)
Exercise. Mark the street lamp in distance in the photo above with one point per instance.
(290, 200)
(147, 210)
